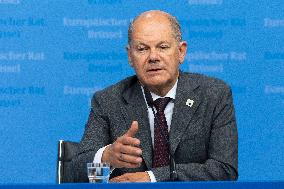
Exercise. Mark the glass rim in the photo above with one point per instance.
(96, 164)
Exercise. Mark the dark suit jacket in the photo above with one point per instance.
(203, 137)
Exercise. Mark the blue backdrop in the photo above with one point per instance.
(55, 54)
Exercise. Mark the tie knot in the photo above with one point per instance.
(161, 103)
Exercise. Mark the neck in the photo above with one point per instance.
(162, 90)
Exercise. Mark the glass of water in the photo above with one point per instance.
(98, 172)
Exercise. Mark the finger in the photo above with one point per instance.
(127, 146)
(130, 159)
(131, 150)
(129, 140)
(118, 179)
(132, 130)
(120, 160)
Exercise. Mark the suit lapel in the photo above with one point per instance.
(135, 109)
(186, 95)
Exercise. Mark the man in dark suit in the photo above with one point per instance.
(126, 130)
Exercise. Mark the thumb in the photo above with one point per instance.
(133, 129)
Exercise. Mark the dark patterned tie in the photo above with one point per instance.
(161, 134)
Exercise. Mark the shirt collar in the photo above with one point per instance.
(171, 93)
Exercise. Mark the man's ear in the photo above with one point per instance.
(129, 56)
(182, 51)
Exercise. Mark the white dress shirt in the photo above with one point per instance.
(168, 113)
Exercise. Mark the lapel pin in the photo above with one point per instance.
(189, 102)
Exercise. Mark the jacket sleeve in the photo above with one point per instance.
(92, 140)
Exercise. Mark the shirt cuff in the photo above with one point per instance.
(99, 155)
(152, 176)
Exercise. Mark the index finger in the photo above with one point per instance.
(129, 141)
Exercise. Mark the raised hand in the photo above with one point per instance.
(125, 151)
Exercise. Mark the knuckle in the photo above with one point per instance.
(124, 139)
(116, 147)
(119, 139)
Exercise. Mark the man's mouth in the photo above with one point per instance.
(154, 70)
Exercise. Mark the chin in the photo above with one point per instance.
(155, 84)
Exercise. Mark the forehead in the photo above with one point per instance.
(152, 29)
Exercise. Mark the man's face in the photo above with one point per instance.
(155, 54)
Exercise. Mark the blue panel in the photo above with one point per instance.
(55, 54)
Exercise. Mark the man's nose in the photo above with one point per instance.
(153, 56)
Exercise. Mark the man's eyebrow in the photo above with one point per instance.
(144, 44)
(163, 42)
(140, 43)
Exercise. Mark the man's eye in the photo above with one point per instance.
(141, 49)
(164, 47)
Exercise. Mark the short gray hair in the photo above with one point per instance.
(176, 29)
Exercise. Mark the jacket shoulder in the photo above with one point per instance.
(115, 91)
(206, 81)
(210, 86)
